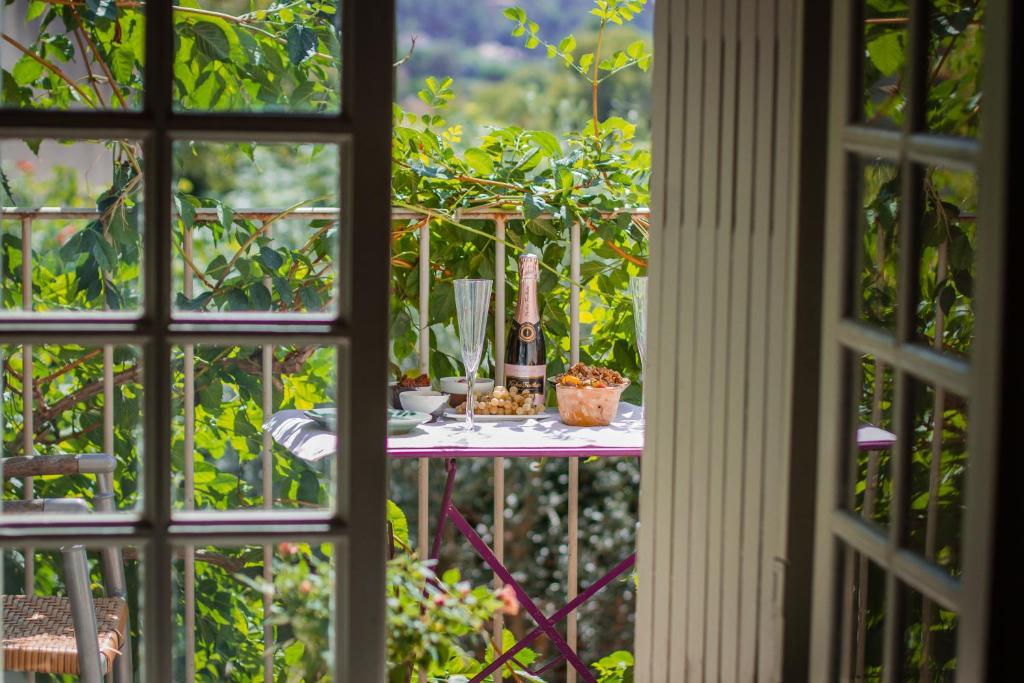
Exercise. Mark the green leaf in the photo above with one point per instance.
(310, 298)
(532, 42)
(635, 49)
(35, 9)
(547, 142)
(210, 396)
(26, 71)
(122, 64)
(225, 215)
(534, 206)
(887, 53)
(586, 60)
(271, 259)
(301, 43)
(479, 160)
(399, 523)
(284, 290)
(238, 301)
(211, 40)
(186, 209)
(260, 297)
(568, 44)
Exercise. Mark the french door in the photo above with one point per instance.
(913, 340)
(354, 330)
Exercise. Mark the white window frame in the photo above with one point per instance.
(358, 330)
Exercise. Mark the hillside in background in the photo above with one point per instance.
(500, 82)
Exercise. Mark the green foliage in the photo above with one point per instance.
(615, 668)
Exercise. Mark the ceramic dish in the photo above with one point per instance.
(404, 421)
(399, 421)
(425, 401)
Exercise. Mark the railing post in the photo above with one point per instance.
(423, 507)
(499, 379)
(28, 392)
(934, 475)
(423, 485)
(572, 579)
(189, 445)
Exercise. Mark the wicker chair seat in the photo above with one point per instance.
(39, 636)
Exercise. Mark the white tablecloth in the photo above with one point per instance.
(306, 440)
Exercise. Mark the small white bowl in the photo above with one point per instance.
(424, 401)
(456, 386)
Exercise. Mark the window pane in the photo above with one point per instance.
(84, 399)
(225, 598)
(257, 56)
(884, 62)
(239, 415)
(73, 209)
(938, 474)
(878, 252)
(36, 613)
(929, 640)
(54, 57)
(863, 619)
(954, 66)
(256, 227)
(945, 311)
(870, 487)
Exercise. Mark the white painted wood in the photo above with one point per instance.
(712, 518)
(647, 540)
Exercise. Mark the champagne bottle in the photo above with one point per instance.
(525, 351)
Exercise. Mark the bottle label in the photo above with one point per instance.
(527, 332)
(527, 378)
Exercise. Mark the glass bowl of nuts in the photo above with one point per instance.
(588, 396)
(503, 403)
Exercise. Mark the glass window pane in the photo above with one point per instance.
(73, 209)
(84, 399)
(227, 600)
(870, 487)
(863, 619)
(257, 56)
(877, 253)
(955, 49)
(239, 416)
(945, 310)
(884, 61)
(38, 590)
(929, 639)
(938, 473)
(256, 228)
(87, 57)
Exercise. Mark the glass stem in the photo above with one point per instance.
(470, 382)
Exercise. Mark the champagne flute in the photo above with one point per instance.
(638, 291)
(472, 301)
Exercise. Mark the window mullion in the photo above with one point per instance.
(157, 375)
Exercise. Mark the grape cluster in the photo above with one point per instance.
(504, 401)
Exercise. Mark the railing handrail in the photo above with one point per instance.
(308, 212)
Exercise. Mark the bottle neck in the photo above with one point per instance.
(526, 309)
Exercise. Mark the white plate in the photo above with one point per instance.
(461, 417)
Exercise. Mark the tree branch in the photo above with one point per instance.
(51, 67)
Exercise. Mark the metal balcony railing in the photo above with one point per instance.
(499, 218)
